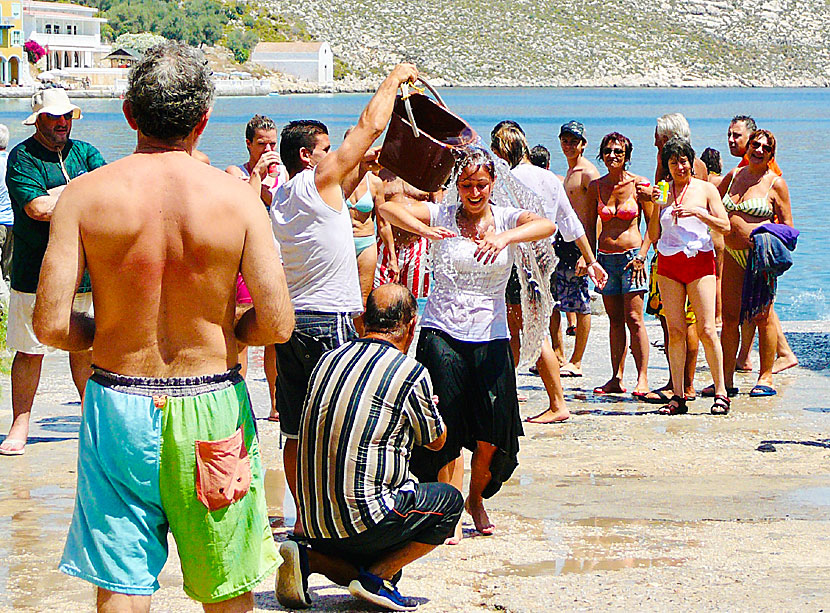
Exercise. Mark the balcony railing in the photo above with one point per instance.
(67, 40)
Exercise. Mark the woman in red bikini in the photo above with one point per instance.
(686, 267)
(620, 198)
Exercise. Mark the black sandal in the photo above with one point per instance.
(678, 408)
(721, 405)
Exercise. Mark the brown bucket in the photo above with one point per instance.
(426, 160)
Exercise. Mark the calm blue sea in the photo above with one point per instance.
(800, 119)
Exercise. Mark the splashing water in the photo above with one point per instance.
(813, 303)
(473, 281)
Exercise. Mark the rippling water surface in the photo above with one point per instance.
(800, 119)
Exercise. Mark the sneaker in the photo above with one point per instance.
(292, 577)
(380, 592)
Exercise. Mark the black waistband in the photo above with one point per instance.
(167, 386)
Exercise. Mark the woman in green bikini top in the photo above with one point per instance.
(752, 195)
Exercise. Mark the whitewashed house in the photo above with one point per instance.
(313, 62)
(70, 32)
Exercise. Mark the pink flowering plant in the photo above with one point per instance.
(33, 50)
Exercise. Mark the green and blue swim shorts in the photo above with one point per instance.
(178, 454)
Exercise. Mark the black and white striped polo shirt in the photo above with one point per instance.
(367, 405)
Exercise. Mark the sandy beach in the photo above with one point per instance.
(617, 509)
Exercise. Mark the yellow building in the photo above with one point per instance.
(12, 59)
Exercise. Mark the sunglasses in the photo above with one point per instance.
(756, 145)
(615, 151)
(66, 116)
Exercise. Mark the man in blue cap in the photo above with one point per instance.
(570, 282)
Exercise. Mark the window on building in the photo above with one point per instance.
(57, 29)
(17, 38)
(16, 10)
(48, 28)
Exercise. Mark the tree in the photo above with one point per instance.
(241, 44)
(140, 42)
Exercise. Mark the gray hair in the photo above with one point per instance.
(4, 136)
(673, 124)
(389, 310)
(748, 122)
(170, 90)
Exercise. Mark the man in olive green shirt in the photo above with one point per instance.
(38, 170)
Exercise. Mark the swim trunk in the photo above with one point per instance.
(428, 514)
(243, 296)
(362, 243)
(683, 269)
(179, 454)
(569, 291)
(476, 382)
(314, 334)
(413, 262)
(620, 279)
(20, 334)
(741, 256)
(654, 305)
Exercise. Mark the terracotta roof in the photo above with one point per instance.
(313, 47)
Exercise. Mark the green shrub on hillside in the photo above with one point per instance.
(240, 44)
(195, 22)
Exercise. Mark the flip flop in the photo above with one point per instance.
(567, 372)
(669, 409)
(274, 418)
(600, 391)
(570, 331)
(744, 370)
(760, 391)
(709, 391)
(640, 395)
(13, 446)
(656, 397)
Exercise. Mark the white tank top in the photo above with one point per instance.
(688, 234)
(317, 248)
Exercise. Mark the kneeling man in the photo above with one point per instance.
(366, 518)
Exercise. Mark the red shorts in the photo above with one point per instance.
(683, 269)
(413, 261)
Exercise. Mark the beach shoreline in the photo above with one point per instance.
(617, 508)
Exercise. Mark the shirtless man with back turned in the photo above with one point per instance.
(167, 438)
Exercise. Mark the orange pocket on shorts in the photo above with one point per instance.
(223, 471)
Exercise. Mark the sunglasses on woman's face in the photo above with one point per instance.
(615, 151)
(756, 145)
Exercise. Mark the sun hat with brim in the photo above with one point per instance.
(53, 101)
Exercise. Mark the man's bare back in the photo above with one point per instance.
(164, 237)
(397, 190)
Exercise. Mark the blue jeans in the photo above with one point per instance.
(314, 334)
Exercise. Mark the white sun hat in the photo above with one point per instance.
(54, 101)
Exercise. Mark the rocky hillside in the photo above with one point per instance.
(576, 42)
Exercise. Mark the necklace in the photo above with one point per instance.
(678, 201)
(152, 149)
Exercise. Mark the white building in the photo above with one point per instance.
(70, 32)
(312, 62)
